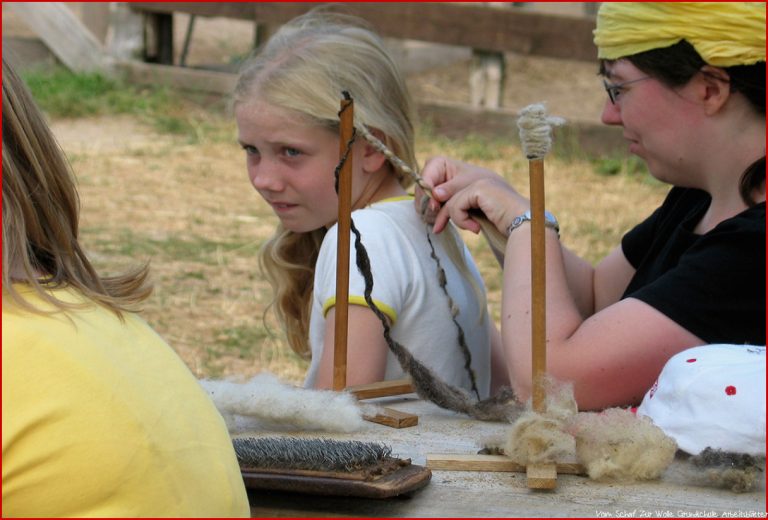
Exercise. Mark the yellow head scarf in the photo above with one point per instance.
(723, 33)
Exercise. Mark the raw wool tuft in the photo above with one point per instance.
(738, 472)
(536, 130)
(618, 445)
(265, 401)
(560, 401)
(612, 445)
(539, 438)
(536, 438)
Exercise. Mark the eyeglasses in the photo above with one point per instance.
(614, 90)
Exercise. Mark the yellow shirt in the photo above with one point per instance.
(102, 418)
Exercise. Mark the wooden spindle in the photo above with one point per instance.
(346, 115)
(538, 286)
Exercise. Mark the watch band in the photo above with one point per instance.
(549, 221)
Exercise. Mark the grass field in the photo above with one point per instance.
(162, 179)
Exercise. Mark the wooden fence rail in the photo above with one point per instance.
(474, 26)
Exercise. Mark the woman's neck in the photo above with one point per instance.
(725, 204)
(721, 168)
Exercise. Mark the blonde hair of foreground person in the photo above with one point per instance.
(100, 416)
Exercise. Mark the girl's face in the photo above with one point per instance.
(291, 164)
(659, 123)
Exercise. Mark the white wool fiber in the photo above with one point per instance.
(264, 401)
(536, 130)
(540, 438)
(612, 445)
(616, 444)
(536, 438)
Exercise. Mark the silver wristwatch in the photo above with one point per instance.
(549, 221)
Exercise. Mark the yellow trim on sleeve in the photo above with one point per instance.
(397, 198)
(359, 300)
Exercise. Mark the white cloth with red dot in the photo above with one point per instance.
(711, 396)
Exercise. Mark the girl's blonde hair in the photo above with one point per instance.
(305, 67)
(41, 215)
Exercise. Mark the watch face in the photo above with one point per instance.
(549, 221)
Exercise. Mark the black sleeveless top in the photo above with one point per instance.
(713, 285)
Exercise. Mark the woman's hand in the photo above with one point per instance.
(464, 190)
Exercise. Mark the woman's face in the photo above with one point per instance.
(291, 164)
(659, 123)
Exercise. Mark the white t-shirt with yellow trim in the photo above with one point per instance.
(407, 290)
(102, 418)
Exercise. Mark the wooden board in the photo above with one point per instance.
(541, 476)
(178, 77)
(406, 480)
(63, 33)
(393, 418)
(381, 389)
(460, 462)
(475, 26)
(454, 120)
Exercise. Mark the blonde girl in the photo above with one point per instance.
(286, 107)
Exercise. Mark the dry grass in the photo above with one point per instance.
(187, 206)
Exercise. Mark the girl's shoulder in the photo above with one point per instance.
(386, 221)
(394, 206)
(388, 227)
(397, 213)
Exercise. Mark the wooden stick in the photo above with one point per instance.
(541, 476)
(501, 463)
(538, 286)
(381, 389)
(393, 418)
(342, 252)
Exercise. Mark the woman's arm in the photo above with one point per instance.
(611, 278)
(499, 366)
(595, 288)
(611, 350)
(612, 357)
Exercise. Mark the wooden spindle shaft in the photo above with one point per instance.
(342, 255)
(538, 286)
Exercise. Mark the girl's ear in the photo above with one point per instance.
(373, 160)
(714, 88)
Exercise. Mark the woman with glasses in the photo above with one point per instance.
(686, 82)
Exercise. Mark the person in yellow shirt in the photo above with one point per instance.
(100, 416)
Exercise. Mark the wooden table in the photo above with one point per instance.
(490, 494)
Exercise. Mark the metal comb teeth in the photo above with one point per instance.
(308, 454)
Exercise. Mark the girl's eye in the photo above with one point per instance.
(250, 150)
(291, 152)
